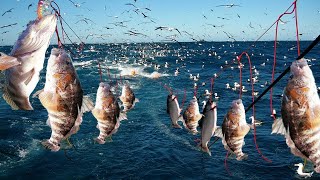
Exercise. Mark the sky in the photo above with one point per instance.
(195, 20)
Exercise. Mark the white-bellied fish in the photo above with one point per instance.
(208, 125)
(62, 96)
(25, 62)
(128, 98)
(107, 113)
(174, 110)
(192, 115)
(300, 111)
(234, 129)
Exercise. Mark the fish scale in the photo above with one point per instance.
(107, 113)
(23, 66)
(63, 99)
(234, 129)
(300, 110)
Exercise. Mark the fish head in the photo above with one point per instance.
(60, 69)
(126, 90)
(60, 62)
(300, 69)
(45, 24)
(237, 106)
(36, 36)
(104, 89)
(193, 106)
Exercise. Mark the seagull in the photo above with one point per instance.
(216, 96)
(228, 5)
(207, 93)
(204, 105)
(301, 173)
(243, 89)
(215, 25)
(8, 25)
(10, 10)
(29, 6)
(254, 121)
(167, 28)
(223, 18)
(228, 86)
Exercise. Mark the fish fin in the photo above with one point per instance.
(218, 132)
(136, 100)
(176, 126)
(242, 157)
(48, 122)
(199, 116)
(122, 98)
(49, 100)
(278, 127)
(49, 145)
(29, 76)
(123, 116)
(97, 126)
(87, 104)
(115, 130)
(6, 96)
(205, 148)
(99, 141)
(7, 62)
(76, 125)
(183, 121)
(37, 93)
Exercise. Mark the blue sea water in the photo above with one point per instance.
(146, 146)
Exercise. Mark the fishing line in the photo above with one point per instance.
(305, 52)
(184, 98)
(252, 95)
(226, 165)
(100, 71)
(253, 44)
(275, 54)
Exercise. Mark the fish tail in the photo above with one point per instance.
(49, 145)
(243, 156)
(176, 126)
(99, 140)
(123, 116)
(205, 148)
(183, 122)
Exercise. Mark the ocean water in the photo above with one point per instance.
(146, 146)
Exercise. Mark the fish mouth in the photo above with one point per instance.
(299, 67)
(300, 63)
(47, 23)
(237, 102)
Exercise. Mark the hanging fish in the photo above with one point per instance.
(173, 110)
(107, 113)
(25, 62)
(62, 96)
(234, 129)
(208, 124)
(128, 98)
(300, 111)
(192, 115)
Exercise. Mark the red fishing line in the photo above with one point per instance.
(252, 95)
(275, 49)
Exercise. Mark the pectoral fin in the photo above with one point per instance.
(6, 96)
(278, 127)
(87, 104)
(218, 132)
(7, 62)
